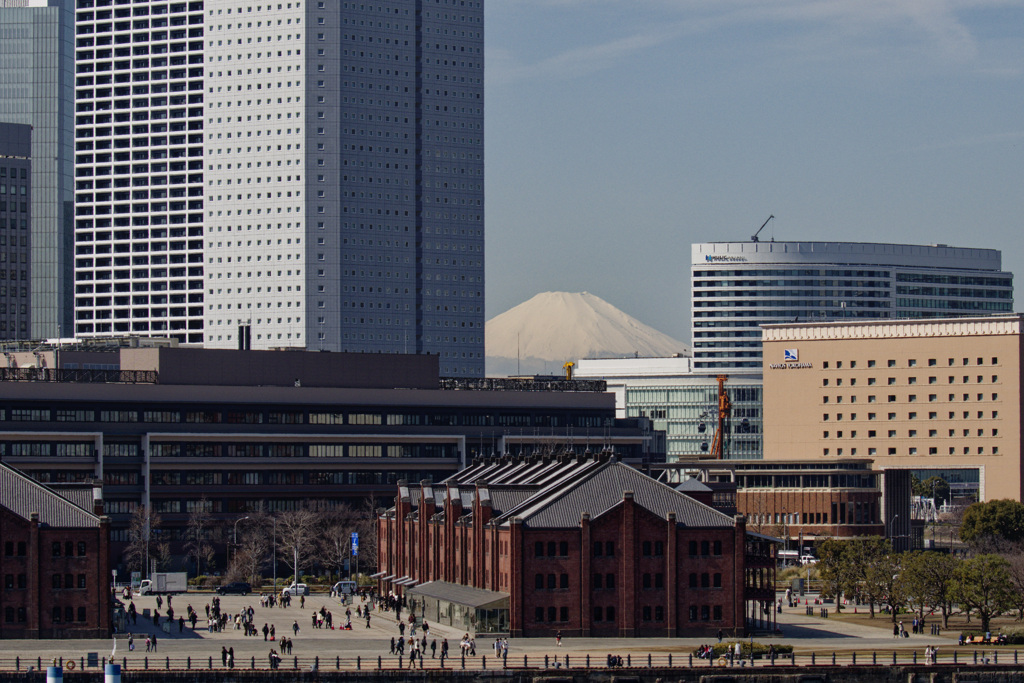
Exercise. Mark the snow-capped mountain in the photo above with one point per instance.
(539, 335)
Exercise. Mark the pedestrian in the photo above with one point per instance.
(433, 649)
(272, 632)
(720, 635)
(895, 630)
(231, 657)
(223, 656)
(367, 619)
(266, 630)
(149, 643)
(181, 624)
(159, 602)
(295, 627)
(154, 642)
(131, 643)
(302, 602)
(558, 639)
(392, 651)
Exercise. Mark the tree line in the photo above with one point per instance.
(986, 584)
(315, 538)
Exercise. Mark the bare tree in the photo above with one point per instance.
(141, 542)
(252, 555)
(367, 529)
(197, 543)
(335, 527)
(296, 530)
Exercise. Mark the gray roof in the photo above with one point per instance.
(604, 490)
(460, 595)
(23, 496)
(693, 486)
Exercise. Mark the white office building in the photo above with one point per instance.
(333, 198)
(739, 286)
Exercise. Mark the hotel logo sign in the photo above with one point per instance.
(791, 361)
(724, 259)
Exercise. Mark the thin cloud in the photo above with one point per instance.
(935, 24)
(972, 141)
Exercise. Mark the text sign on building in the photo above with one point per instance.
(791, 358)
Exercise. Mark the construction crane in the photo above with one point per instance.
(724, 415)
(568, 369)
(753, 238)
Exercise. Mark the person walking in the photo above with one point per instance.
(295, 628)
(558, 639)
(223, 656)
(895, 630)
(154, 642)
(266, 630)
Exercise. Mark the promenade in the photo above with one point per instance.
(807, 634)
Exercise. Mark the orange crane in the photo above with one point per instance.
(724, 413)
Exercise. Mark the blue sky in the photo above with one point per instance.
(618, 132)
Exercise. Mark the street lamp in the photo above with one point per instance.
(275, 555)
(892, 533)
(235, 534)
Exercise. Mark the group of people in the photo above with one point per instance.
(931, 654)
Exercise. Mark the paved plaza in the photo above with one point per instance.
(806, 633)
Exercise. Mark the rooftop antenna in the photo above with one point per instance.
(753, 238)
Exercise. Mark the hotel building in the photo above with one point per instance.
(937, 397)
(739, 286)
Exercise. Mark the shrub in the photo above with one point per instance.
(760, 649)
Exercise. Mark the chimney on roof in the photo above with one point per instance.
(97, 499)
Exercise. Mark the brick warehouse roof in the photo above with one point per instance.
(23, 496)
(554, 492)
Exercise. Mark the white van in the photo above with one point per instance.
(295, 590)
(344, 588)
(808, 559)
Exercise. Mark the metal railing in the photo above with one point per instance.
(885, 658)
(522, 384)
(78, 375)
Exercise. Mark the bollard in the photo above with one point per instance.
(545, 661)
(588, 661)
(316, 663)
(17, 663)
(853, 662)
(379, 663)
(145, 663)
(914, 658)
(524, 661)
(81, 663)
(400, 662)
(483, 661)
(975, 656)
(188, 663)
(995, 657)
(812, 658)
(253, 664)
(210, 666)
(296, 663)
(54, 674)
(629, 660)
(894, 657)
(167, 662)
(1014, 656)
(689, 661)
(648, 660)
(359, 663)
(111, 673)
(124, 663)
(954, 656)
(833, 658)
(567, 661)
(103, 662)
(670, 660)
(463, 659)
(39, 664)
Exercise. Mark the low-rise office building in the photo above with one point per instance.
(231, 432)
(576, 544)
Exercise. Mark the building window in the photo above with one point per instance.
(609, 549)
(718, 612)
(705, 580)
(538, 582)
(647, 581)
(609, 613)
(55, 548)
(659, 580)
(56, 615)
(55, 581)
(563, 614)
(693, 548)
(81, 614)
(609, 581)
(538, 614)
(598, 614)
(659, 548)
(551, 613)
(551, 582)
(705, 613)
(563, 581)
(551, 548)
(598, 580)
(704, 548)
(538, 549)
(81, 548)
(646, 613)
(598, 549)
(693, 580)
(659, 613)
(646, 548)
(717, 581)
(693, 613)
(718, 548)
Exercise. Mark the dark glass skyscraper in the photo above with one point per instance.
(37, 88)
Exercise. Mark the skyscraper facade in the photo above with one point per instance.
(739, 286)
(341, 168)
(37, 89)
(15, 230)
(139, 169)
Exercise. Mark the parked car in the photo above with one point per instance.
(295, 590)
(235, 588)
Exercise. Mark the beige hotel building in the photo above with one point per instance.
(940, 396)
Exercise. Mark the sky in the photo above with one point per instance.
(618, 132)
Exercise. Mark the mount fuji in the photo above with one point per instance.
(539, 335)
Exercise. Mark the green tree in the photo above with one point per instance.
(871, 570)
(936, 486)
(836, 569)
(983, 586)
(996, 519)
(929, 579)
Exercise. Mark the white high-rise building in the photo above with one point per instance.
(341, 175)
(739, 286)
(139, 169)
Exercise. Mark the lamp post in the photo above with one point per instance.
(275, 554)
(235, 534)
(892, 533)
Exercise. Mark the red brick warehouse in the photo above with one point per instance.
(55, 562)
(588, 546)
